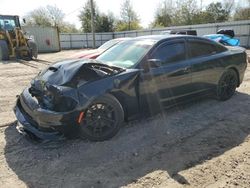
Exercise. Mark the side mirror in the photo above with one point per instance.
(154, 63)
(151, 63)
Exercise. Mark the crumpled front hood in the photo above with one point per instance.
(70, 72)
(64, 85)
(61, 72)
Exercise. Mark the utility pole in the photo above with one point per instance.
(92, 22)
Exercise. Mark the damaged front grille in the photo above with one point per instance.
(50, 97)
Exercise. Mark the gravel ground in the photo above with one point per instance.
(203, 144)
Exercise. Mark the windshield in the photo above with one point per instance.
(7, 23)
(108, 44)
(126, 54)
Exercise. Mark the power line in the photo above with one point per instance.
(72, 12)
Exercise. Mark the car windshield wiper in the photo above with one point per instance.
(101, 64)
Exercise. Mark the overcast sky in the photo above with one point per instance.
(144, 8)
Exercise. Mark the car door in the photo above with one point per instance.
(204, 58)
(171, 79)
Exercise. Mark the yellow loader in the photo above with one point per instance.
(13, 41)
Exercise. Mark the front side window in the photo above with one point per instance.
(170, 53)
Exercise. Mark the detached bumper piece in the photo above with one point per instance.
(27, 112)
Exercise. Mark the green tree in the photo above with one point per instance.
(202, 17)
(122, 26)
(217, 13)
(129, 19)
(68, 28)
(186, 11)
(163, 14)
(85, 16)
(242, 14)
(103, 22)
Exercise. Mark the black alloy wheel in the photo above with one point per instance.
(227, 85)
(102, 119)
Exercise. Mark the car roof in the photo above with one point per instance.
(8, 16)
(162, 37)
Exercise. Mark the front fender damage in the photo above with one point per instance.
(124, 86)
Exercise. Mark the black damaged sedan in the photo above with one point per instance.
(92, 98)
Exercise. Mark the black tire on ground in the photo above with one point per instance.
(4, 51)
(227, 85)
(34, 50)
(103, 119)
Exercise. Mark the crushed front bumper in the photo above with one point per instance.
(26, 128)
(43, 124)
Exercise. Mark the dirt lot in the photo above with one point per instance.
(203, 144)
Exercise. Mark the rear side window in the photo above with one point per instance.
(220, 48)
(198, 49)
(169, 53)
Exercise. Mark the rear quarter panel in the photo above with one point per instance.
(236, 58)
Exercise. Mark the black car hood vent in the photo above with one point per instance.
(54, 69)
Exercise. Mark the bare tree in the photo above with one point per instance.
(163, 14)
(128, 15)
(56, 15)
(38, 17)
(49, 16)
(228, 5)
(242, 13)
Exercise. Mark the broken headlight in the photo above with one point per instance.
(53, 99)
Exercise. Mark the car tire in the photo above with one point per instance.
(4, 51)
(227, 85)
(102, 119)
